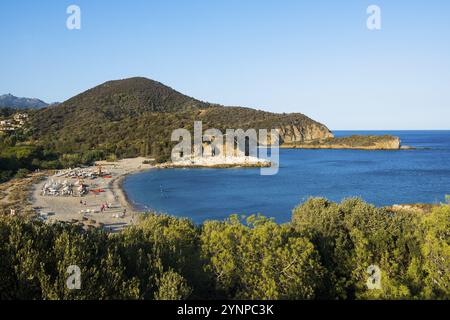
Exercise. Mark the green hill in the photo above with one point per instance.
(136, 116)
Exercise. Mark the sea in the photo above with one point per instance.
(380, 177)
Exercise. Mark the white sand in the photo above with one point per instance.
(68, 208)
(218, 161)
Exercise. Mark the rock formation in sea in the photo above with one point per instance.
(384, 142)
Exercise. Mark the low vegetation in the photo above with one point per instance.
(19, 156)
(324, 253)
(354, 142)
(359, 140)
(15, 195)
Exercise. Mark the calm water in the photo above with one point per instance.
(379, 177)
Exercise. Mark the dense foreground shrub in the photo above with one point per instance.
(260, 260)
(323, 254)
(410, 249)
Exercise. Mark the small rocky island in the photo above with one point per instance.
(361, 142)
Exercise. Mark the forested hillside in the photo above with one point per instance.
(128, 118)
(136, 116)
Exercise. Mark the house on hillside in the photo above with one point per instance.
(17, 121)
(6, 125)
(21, 118)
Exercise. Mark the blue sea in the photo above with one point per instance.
(379, 177)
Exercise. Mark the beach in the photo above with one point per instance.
(217, 162)
(87, 209)
(105, 204)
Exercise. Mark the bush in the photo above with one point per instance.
(436, 252)
(5, 175)
(22, 173)
(70, 160)
(260, 260)
(323, 254)
(354, 235)
(172, 286)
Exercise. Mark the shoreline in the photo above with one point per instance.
(87, 210)
(217, 162)
(122, 195)
(211, 166)
(336, 147)
(68, 208)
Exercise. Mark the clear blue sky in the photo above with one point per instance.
(315, 57)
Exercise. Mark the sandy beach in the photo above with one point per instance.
(217, 162)
(88, 212)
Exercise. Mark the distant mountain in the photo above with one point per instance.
(10, 101)
(136, 116)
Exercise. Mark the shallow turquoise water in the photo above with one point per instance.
(379, 177)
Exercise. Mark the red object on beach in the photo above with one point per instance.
(107, 177)
(98, 190)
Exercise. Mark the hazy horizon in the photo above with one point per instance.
(315, 58)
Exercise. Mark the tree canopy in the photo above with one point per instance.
(324, 253)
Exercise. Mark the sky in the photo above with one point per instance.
(314, 57)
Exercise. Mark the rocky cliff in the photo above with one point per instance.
(298, 134)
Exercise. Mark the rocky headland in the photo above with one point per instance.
(383, 142)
